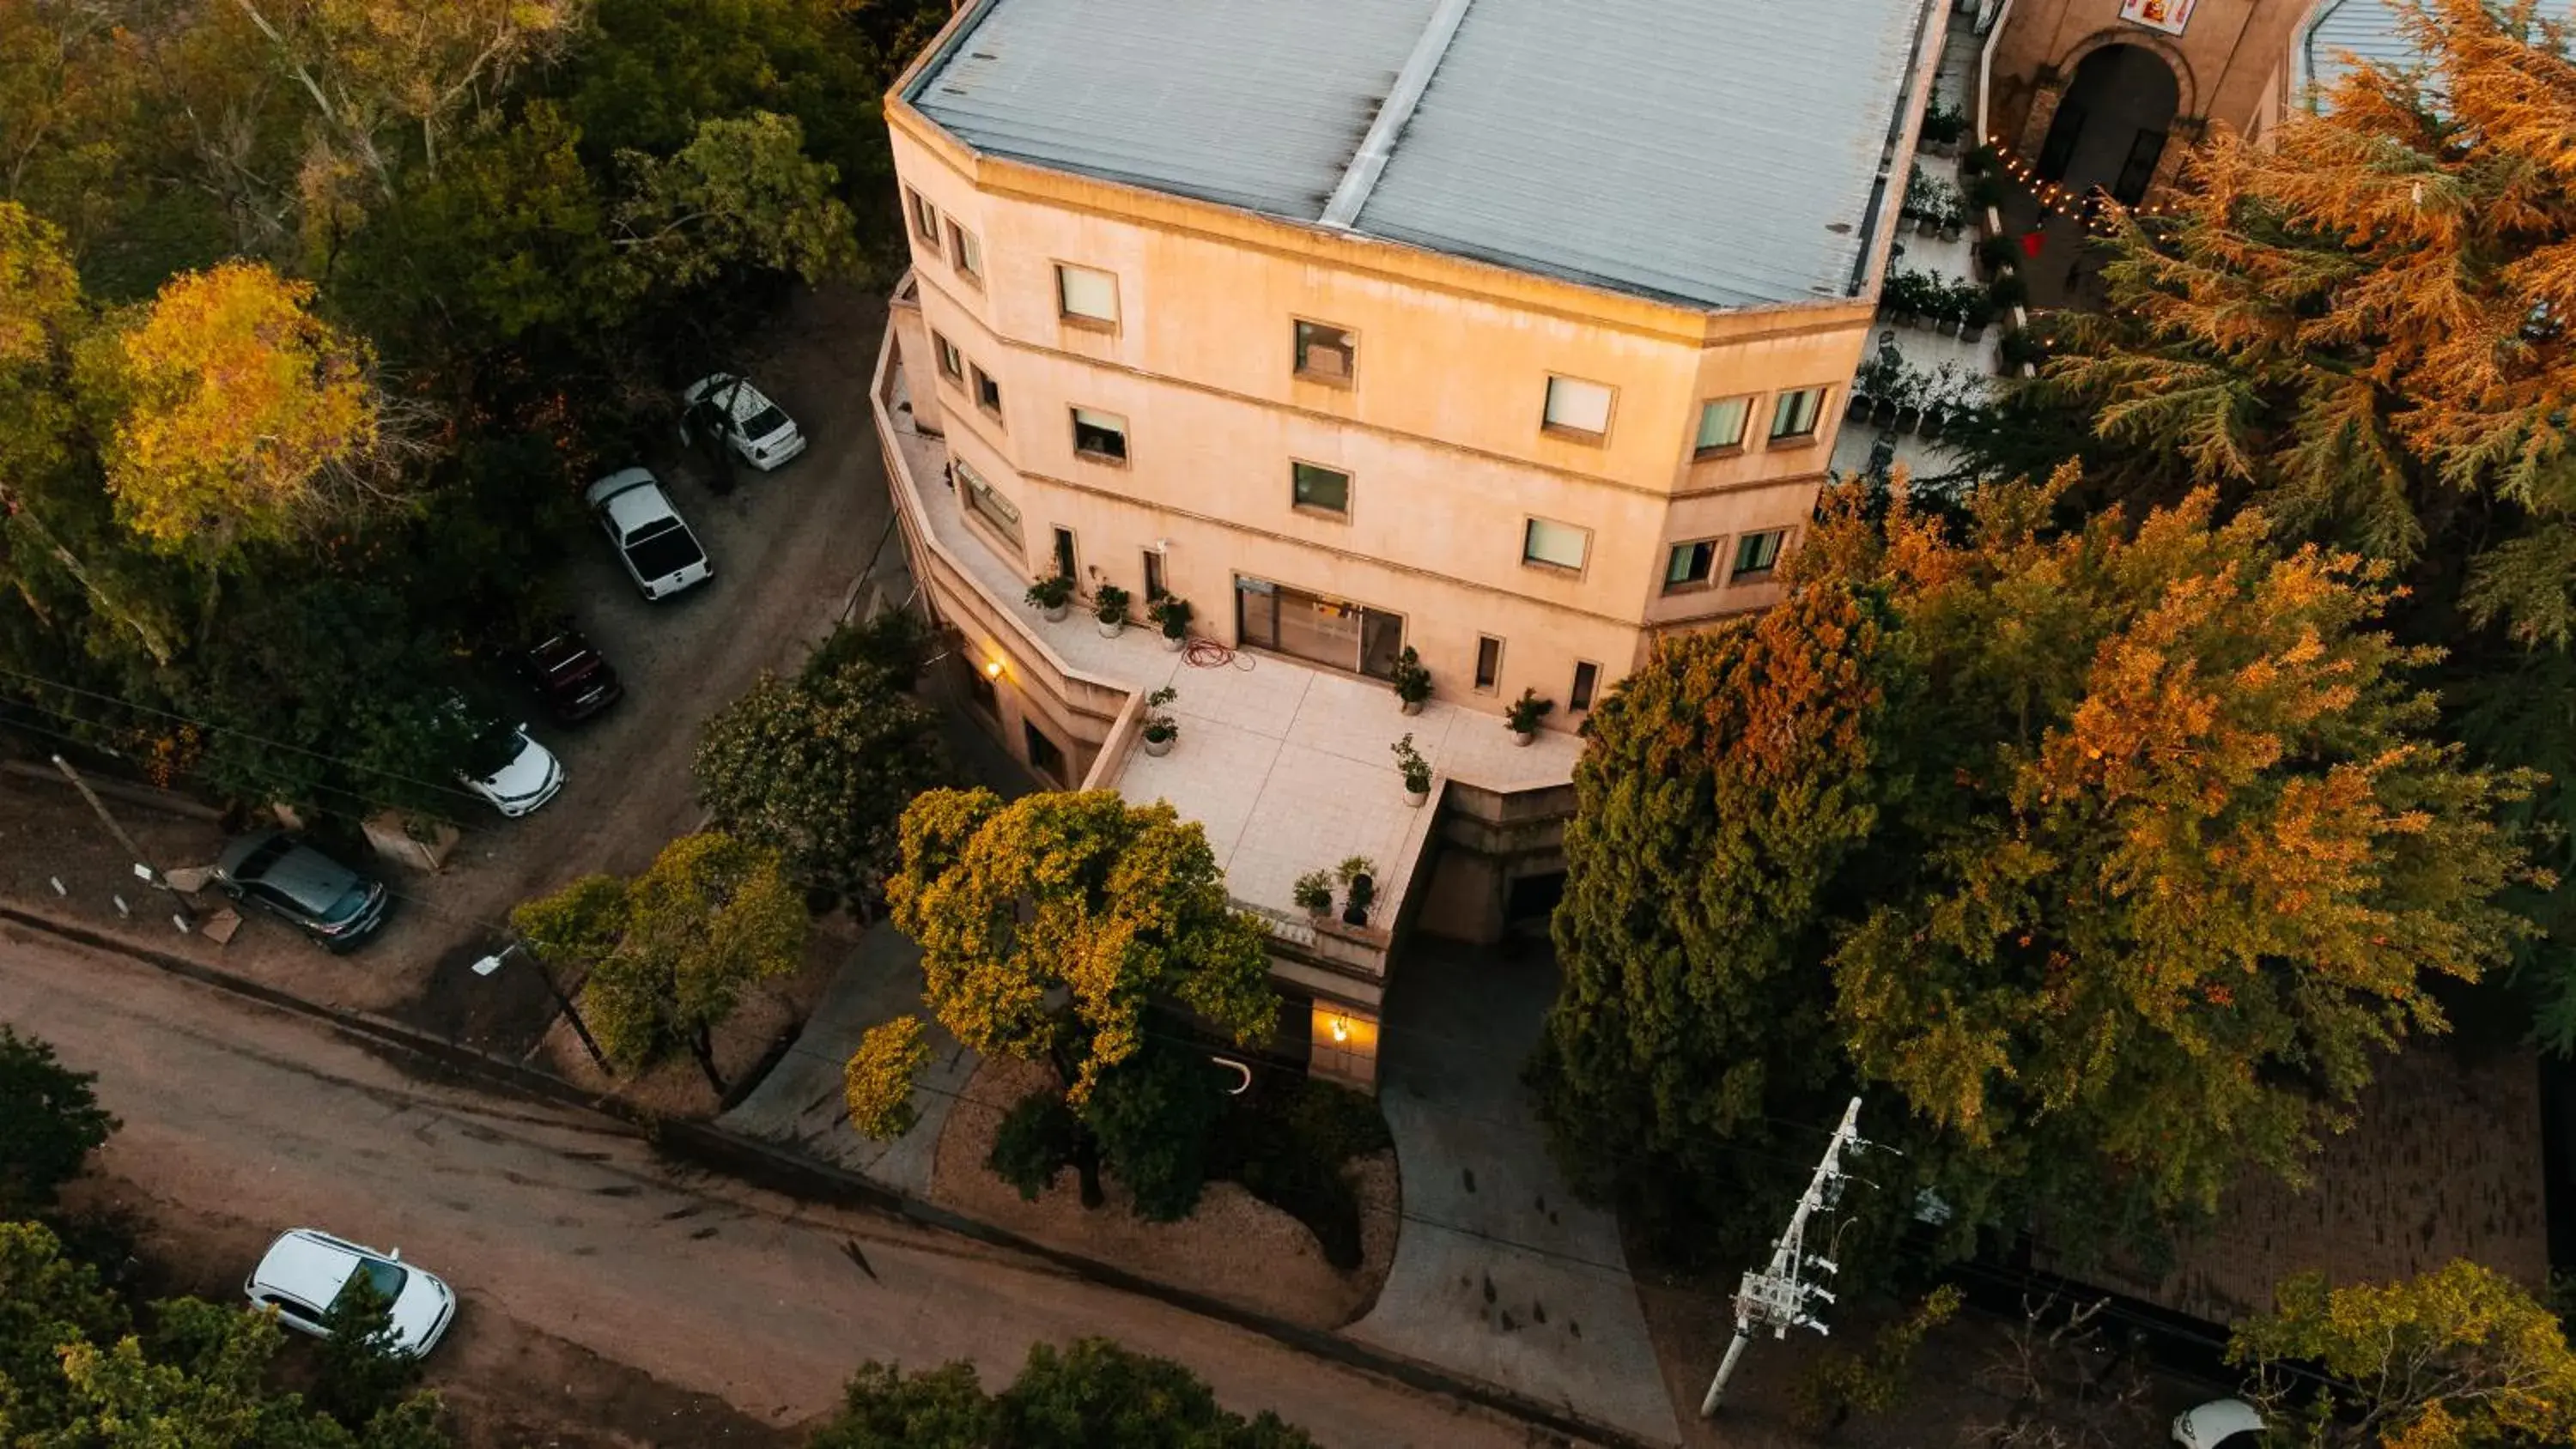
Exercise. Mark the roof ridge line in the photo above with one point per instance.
(1394, 113)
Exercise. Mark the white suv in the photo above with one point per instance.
(306, 1269)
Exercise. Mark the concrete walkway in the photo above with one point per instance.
(1499, 1274)
(800, 1103)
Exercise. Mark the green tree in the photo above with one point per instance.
(1052, 926)
(711, 918)
(48, 1302)
(2161, 862)
(2457, 1358)
(741, 194)
(820, 770)
(50, 1122)
(365, 1370)
(1093, 1395)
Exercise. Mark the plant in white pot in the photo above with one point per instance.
(1171, 614)
(1160, 728)
(1412, 681)
(1109, 606)
(1415, 770)
(1314, 892)
(1359, 889)
(1524, 713)
(1052, 593)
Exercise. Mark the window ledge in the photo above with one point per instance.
(1711, 455)
(1317, 510)
(1802, 440)
(1692, 586)
(1563, 571)
(1086, 324)
(1574, 435)
(1106, 460)
(1752, 576)
(1324, 379)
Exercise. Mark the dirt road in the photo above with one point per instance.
(558, 1224)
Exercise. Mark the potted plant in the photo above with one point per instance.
(1160, 728)
(1052, 593)
(1415, 770)
(1996, 254)
(1943, 126)
(1109, 606)
(1171, 613)
(1985, 191)
(1412, 681)
(1981, 314)
(1524, 713)
(1954, 221)
(1314, 892)
(2008, 290)
(1359, 889)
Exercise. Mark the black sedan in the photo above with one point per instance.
(319, 896)
(569, 676)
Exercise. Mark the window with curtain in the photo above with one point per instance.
(1084, 295)
(1689, 564)
(1757, 552)
(992, 507)
(1795, 414)
(1099, 435)
(1557, 545)
(1576, 406)
(1721, 424)
(965, 250)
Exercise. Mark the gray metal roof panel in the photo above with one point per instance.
(1700, 151)
(1250, 103)
(2369, 32)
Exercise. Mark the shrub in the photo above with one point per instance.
(1288, 1145)
(1034, 1143)
(1153, 1115)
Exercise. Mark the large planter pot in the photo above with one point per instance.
(1908, 419)
(1409, 706)
(1109, 630)
(1172, 643)
(1927, 226)
(1417, 798)
(1951, 230)
(1882, 411)
(1522, 738)
(1856, 406)
(1055, 612)
(1900, 317)
(1159, 748)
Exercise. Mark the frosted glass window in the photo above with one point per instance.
(1088, 295)
(1579, 406)
(1556, 544)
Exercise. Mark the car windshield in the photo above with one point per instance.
(764, 422)
(388, 1278)
(351, 901)
(258, 862)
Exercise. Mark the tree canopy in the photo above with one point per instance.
(1093, 1395)
(2114, 860)
(50, 1122)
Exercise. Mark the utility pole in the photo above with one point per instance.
(563, 1003)
(1779, 1295)
(143, 867)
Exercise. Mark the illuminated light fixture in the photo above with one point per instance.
(992, 669)
(1341, 1026)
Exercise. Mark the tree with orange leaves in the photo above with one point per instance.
(238, 414)
(2107, 864)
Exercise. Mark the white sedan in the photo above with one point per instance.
(758, 430)
(306, 1270)
(660, 553)
(2219, 1424)
(529, 780)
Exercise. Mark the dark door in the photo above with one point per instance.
(2059, 148)
(2139, 170)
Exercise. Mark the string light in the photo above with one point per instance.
(2057, 199)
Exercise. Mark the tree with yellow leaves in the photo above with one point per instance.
(2457, 1358)
(237, 413)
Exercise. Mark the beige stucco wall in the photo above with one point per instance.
(1440, 432)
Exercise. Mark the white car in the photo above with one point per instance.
(758, 430)
(2219, 1424)
(530, 779)
(306, 1269)
(660, 553)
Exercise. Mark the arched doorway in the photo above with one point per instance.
(2112, 125)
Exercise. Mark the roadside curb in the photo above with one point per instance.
(765, 1165)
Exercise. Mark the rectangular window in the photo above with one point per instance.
(988, 393)
(1044, 757)
(1557, 545)
(925, 218)
(1794, 414)
(1101, 437)
(1085, 296)
(1757, 552)
(1578, 409)
(952, 363)
(1325, 354)
(1689, 564)
(981, 691)
(1154, 586)
(965, 251)
(1321, 488)
(1721, 425)
(992, 507)
(1489, 663)
(1587, 678)
(1064, 555)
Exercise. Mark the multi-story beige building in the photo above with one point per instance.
(1510, 332)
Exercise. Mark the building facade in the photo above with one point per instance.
(1476, 328)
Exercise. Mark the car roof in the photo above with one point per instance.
(637, 501)
(308, 877)
(2212, 1422)
(747, 400)
(307, 1265)
(243, 848)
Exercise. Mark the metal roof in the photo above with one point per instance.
(1715, 153)
(2369, 32)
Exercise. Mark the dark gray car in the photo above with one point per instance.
(324, 899)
